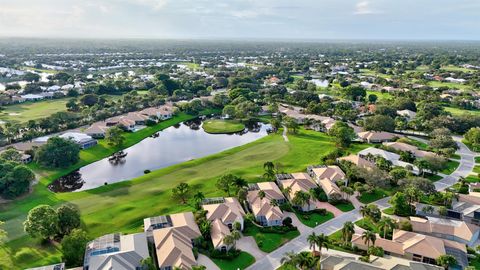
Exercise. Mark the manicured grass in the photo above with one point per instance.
(472, 179)
(433, 177)
(313, 219)
(287, 267)
(367, 198)
(451, 166)
(380, 95)
(241, 262)
(455, 69)
(458, 111)
(23, 112)
(366, 224)
(268, 242)
(369, 72)
(456, 156)
(477, 159)
(217, 126)
(121, 207)
(459, 86)
(345, 207)
(389, 211)
(475, 262)
(476, 169)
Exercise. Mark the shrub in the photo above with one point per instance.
(376, 251)
(464, 190)
(147, 171)
(320, 211)
(287, 222)
(229, 255)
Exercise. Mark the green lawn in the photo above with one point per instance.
(459, 86)
(241, 262)
(367, 225)
(380, 95)
(389, 211)
(476, 169)
(287, 267)
(345, 207)
(458, 111)
(472, 179)
(268, 242)
(477, 159)
(452, 165)
(456, 156)
(369, 72)
(367, 198)
(475, 262)
(455, 69)
(23, 112)
(433, 177)
(217, 126)
(313, 219)
(123, 206)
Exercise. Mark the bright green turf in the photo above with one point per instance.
(452, 165)
(23, 112)
(241, 262)
(345, 207)
(458, 111)
(367, 198)
(380, 95)
(217, 126)
(313, 219)
(268, 242)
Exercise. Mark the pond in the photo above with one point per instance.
(173, 145)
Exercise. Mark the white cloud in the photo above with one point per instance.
(365, 8)
(155, 4)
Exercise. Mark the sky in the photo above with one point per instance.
(243, 19)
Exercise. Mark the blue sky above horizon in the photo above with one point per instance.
(239, 19)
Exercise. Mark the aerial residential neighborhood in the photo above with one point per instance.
(239, 135)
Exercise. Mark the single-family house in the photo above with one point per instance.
(121, 121)
(218, 232)
(358, 161)
(326, 177)
(263, 199)
(161, 113)
(116, 251)
(97, 130)
(405, 147)
(32, 97)
(377, 136)
(408, 114)
(173, 237)
(297, 182)
(338, 262)
(83, 140)
(227, 210)
(394, 158)
(417, 247)
(449, 229)
(138, 118)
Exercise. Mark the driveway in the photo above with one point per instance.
(272, 260)
(205, 261)
(248, 244)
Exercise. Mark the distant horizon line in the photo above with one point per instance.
(238, 39)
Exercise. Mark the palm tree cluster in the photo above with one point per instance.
(302, 260)
(320, 241)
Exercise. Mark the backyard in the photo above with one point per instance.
(241, 262)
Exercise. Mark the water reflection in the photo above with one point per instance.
(173, 145)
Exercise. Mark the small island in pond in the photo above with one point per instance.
(218, 126)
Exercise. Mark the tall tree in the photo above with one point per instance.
(348, 230)
(369, 237)
(114, 136)
(68, 218)
(42, 222)
(181, 192)
(73, 247)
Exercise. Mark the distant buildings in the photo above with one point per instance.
(377, 136)
(83, 140)
(58, 266)
(298, 182)
(326, 177)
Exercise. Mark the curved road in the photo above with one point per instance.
(272, 260)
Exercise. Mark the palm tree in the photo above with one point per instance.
(273, 202)
(386, 224)
(301, 198)
(364, 210)
(239, 183)
(261, 194)
(312, 240)
(269, 166)
(369, 237)
(228, 240)
(236, 235)
(348, 230)
(205, 226)
(269, 175)
(446, 261)
(289, 258)
(305, 260)
(322, 242)
(198, 198)
(287, 191)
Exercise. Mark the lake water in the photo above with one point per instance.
(171, 146)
